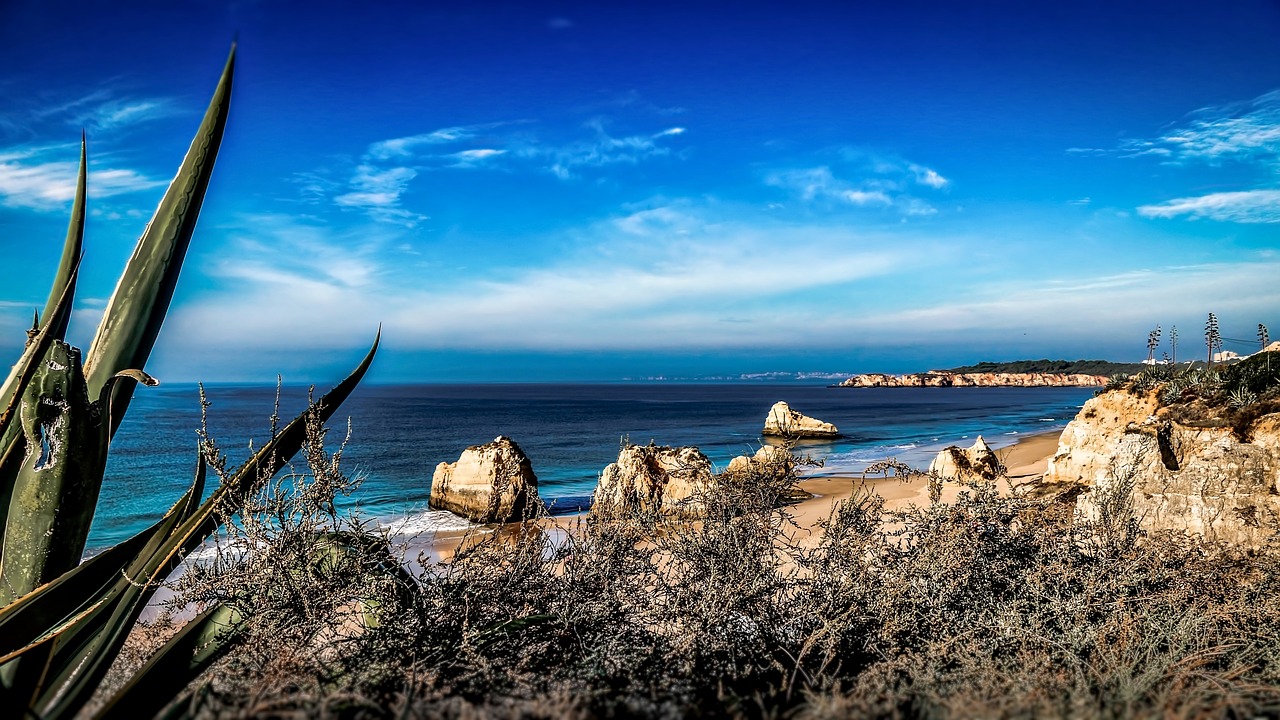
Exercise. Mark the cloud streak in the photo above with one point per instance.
(31, 179)
(663, 276)
(821, 185)
(1248, 206)
(384, 175)
(1248, 132)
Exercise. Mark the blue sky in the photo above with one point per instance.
(542, 191)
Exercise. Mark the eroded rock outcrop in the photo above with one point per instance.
(946, 379)
(782, 421)
(489, 483)
(974, 464)
(1125, 447)
(654, 478)
(769, 459)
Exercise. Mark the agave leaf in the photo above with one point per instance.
(48, 607)
(57, 310)
(56, 315)
(57, 486)
(55, 493)
(195, 647)
(86, 647)
(136, 310)
(12, 441)
(267, 462)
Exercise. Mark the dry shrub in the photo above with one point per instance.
(989, 606)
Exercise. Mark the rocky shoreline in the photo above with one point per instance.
(948, 379)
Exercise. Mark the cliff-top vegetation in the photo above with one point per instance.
(1066, 367)
(1234, 395)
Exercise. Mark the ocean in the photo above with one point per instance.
(569, 431)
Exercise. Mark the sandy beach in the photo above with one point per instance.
(1026, 461)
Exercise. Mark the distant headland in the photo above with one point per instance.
(1017, 373)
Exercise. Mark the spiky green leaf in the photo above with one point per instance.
(12, 442)
(57, 315)
(195, 647)
(136, 310)
(80, 649)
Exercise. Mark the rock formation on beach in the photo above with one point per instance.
(654, 478)
(1125, 448)
(769, 459)
(977, 463)
(948, 379)
(782, 421)
(489, 483)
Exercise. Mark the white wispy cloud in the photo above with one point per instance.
(378, 192)
(119, 113)
(43, 176)
(1247, 131)
(928, 176)
(1092, 310)
(472, 158)
(1247, 206)
(666, 275)
(601, 149)
(381, 179)
(676, 275)
(30, 178)
(821, 184)
(104, 110)
(405, 147)
(866, 197)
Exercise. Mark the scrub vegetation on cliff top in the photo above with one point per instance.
(1064, 367)
(1234, 396)
(990, 606)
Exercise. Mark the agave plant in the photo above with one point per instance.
(1241, 397)
(62, 622)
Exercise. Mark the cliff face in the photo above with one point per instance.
(1179, 477)
(946, 379)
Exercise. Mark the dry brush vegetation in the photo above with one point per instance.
(990, 606)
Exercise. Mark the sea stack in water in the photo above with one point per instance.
(978, 463)
(489, 483)
(782, 421)
(654, 478)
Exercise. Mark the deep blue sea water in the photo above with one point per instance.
(570, 432)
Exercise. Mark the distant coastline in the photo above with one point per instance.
(949, 379)
(1016, 373)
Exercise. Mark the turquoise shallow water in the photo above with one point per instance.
(570, 432)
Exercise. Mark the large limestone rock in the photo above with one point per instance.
(782, 421)
(1201, 480)
(654, 478)
(975, 464)
(489, 483)
(769, 459)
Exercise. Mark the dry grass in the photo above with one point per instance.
(986, 607)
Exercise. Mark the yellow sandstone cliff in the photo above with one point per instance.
(1180, 477)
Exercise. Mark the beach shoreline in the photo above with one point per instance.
(1026, 460)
